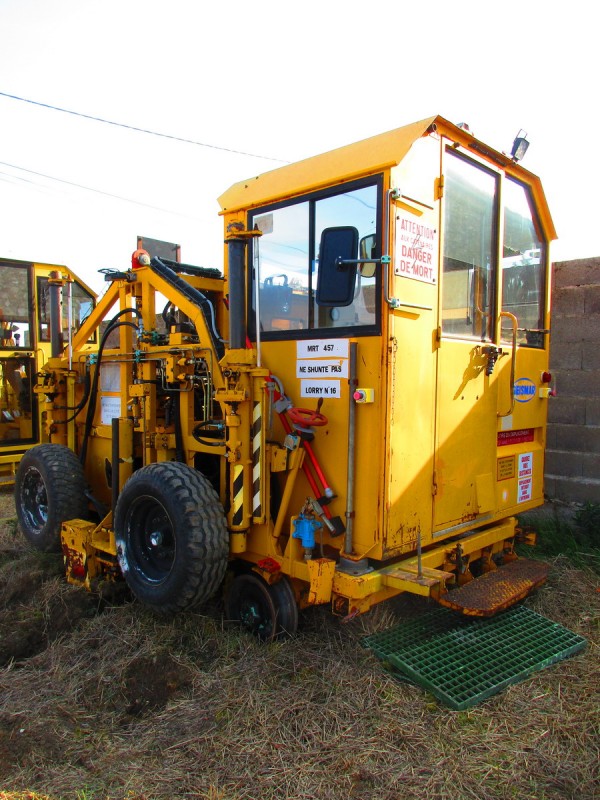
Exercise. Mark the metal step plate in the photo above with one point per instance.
(464, 660)
(495, 591)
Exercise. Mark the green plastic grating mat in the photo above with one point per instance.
(464, 660)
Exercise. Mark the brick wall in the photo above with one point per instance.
(573, 452)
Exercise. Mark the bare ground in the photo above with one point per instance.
(102, 701)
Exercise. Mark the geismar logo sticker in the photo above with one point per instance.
(524, 390)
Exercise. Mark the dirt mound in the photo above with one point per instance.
(151, 681)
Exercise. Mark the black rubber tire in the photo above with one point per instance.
(286, 608)
(249, 603)
(172, 540)
(49, 489)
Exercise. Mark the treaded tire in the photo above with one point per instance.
(49, 489)
(172, 540)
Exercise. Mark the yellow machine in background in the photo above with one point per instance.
(27, 292)
(355, 408)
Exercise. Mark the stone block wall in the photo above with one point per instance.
(573, 448)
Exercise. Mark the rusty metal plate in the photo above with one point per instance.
(495, 591)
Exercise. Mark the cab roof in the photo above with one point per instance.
(366, 157)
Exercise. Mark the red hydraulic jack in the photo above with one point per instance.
(303, 420)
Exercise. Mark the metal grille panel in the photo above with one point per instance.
(464, 660)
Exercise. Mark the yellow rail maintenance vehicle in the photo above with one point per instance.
(355, 408)
(28, 291)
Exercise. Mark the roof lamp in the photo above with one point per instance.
(520, 146)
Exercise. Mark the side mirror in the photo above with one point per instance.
(367, 251)
(336, 277)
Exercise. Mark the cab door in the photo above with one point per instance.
(466, 385)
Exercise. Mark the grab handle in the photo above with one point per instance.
(513, 360)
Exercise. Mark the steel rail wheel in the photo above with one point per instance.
(249, 602)
(49, 489)
(286, 607)
(267, 611)
(172, 541)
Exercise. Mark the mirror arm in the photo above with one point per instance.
(342, 262)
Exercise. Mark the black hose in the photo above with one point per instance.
(196, 297)
(80, 405)
(198, 428)
(112, 326)
(188, 269)
(88, 383)
(168, 315)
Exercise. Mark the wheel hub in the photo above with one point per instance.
(156, 538)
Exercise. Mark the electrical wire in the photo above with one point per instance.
(96, 191)
(138, 130)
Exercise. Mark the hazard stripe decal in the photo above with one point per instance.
(238, 495)
(256, 459)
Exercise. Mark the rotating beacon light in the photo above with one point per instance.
(141, 258)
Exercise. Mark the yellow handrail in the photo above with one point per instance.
(513, 360)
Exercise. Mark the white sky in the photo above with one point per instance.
(276, 79)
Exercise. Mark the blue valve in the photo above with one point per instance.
(304, 529)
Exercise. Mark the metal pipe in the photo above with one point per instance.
(257, 304)
(237, 300)
(55, 321)
(70, 322)
(352, 384)
(116, 457)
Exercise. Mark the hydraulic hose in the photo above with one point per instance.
(196, 297)
(80, 405)
(112, 326)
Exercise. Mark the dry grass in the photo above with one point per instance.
(113, 703)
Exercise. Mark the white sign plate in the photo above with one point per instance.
(416, 249)
(322, 348)
(322, 368)
(110, 407)
(525, 477)
(320, 388)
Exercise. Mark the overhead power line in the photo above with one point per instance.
(139, 130)
(96, 191)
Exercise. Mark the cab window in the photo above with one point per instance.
(469, 249)
(15, 308)
(18, 420)
(82, 303)
(286, 261)
(523, 259)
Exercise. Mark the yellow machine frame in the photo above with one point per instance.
(359, 450)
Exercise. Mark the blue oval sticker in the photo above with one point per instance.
(524, 390)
